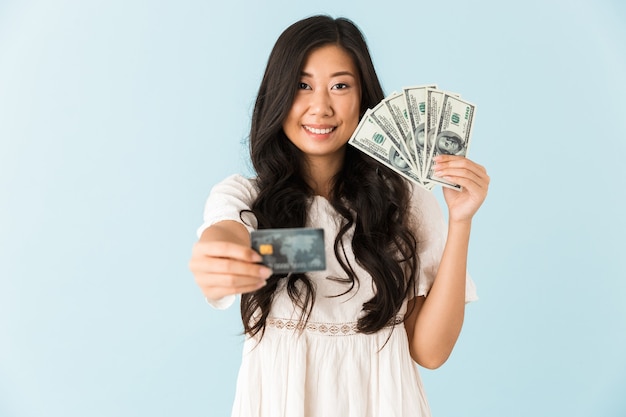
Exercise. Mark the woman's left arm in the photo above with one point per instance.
(434, 323)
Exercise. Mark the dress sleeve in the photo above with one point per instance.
(431, 239)
(226, 201)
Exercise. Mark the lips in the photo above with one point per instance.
(319, 131)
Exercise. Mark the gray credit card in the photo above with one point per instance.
(291, 250)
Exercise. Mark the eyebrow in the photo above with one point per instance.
(335, 74)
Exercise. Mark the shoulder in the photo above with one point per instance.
(231, 199)
(237, 186)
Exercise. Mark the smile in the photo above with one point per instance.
(319, 131)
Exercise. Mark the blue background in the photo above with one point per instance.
(116, 118)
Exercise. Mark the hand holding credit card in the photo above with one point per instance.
(290, 249)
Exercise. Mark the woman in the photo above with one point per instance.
(344, 341)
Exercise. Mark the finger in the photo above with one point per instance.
(227, 282)
(468, 185)
(451, 161)
(462, 168)
(228, 266)
(471, 184)
(226, 250)
(462, 174)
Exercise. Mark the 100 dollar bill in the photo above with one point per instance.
(452, 133)
(433, 109)
(415, 98)
(396, 104)
(370, 139)
(385, 120)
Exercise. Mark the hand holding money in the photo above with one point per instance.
(473, 179)
(407, 131)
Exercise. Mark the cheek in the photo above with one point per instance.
(355, 111)
(296, 110)
(291, 119)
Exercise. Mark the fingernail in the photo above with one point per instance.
(265, 272)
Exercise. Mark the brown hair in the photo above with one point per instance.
(368, 196)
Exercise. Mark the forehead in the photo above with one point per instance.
(328, 60)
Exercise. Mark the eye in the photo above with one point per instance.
(303, 86)
(340, 86)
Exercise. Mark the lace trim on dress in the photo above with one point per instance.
(327, 329)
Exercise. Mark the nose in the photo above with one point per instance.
(321, 103)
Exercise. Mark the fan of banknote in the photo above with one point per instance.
(407, 130)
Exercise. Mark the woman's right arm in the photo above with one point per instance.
(223, 263)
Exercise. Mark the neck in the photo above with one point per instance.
(320, 174)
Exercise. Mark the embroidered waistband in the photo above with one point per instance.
(328, 329)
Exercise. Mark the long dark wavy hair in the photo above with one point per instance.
(368, 196)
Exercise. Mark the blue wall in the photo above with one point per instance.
(116, 117)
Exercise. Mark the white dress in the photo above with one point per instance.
(329, 369)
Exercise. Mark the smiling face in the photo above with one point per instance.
(325, 110)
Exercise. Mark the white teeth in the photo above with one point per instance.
(319, 131)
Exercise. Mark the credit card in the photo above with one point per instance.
(291, 249)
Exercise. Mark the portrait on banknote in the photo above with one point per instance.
(449, 143)
(397, 160)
